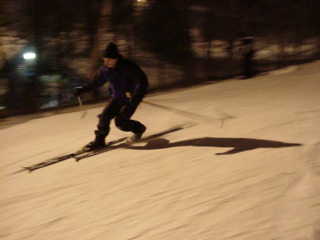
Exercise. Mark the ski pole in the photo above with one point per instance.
(79, 101)
(83, 115)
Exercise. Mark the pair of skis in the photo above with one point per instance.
(83, 153)
(77, 155)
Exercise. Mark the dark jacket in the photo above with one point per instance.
(126, 77)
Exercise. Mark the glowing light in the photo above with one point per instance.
(29, 56)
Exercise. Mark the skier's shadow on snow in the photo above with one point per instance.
(237, 144)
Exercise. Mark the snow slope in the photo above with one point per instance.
(244, 166)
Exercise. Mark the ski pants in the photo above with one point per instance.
(248, 69)
(122, 113)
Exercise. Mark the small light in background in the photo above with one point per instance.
(141, 1)
(29, 56)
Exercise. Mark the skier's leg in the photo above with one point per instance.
(123, 120)
(248, 68)
(103, 127)
(129, 125)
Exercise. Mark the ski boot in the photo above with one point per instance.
(98, 143)
(136, 136)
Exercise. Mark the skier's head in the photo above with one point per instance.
(111, 55)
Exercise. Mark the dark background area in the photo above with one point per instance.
(177, 43)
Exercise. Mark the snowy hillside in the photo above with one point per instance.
(244, 164)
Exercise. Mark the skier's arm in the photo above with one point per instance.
(141, 85)
(97, 81)
(118, 93)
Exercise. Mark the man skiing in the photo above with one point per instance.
(248, 53)
(128, 86)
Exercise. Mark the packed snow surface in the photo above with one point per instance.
(236, 159)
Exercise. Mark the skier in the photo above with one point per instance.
(248, 53)
(128, 86)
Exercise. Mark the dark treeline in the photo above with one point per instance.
(177, 41)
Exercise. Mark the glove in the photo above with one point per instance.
(78, 91)
(129, 95)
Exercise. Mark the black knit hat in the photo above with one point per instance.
(111, 51)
